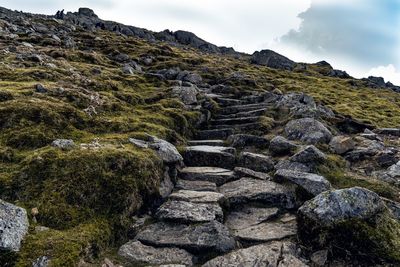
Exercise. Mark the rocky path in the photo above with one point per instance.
(225, 210)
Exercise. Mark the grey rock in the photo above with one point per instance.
(244, 172)
(127, 69)
(319, 257)
(213, 156)
(312, 183)
(64, 144)
(394, 207)
(246, 216)
(272, 59)
(215, 134)
(254, 190)
(198, 196)
(13, 226)
(215, 175)
(391, 175)
(256, 162)
(137, 253)
(247, 140)
(207, 237)
(166, 184)
(139, 143)
(39, 88)
(274, 254)
(290, 165)
(190, 212)
(206, 143)
(309, 155)
(388, 131)
(281, 146)
(188, 94)
(341, 144)
(308, 130)
(195, 185)
(165, 150)
(333, 207)
(43, 261)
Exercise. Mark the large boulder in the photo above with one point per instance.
(272, 59)
(308, 130)
(353, 219)
(341, 144)
(13, 226)
(256, 162)
(281, 146)
(188, 94)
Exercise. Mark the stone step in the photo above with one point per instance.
(235, 121)
(213, 156)
(206, 143)
(255, 162)
(252, 113)
(247, 190)
(243, 108)
(214, 134)
(189, 212)
(242, 128)
(195, 185)
(198, 196)
(226, 102)
(215, 175)
(245, 216)
(197, 238)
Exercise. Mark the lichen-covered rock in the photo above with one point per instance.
(245, 140)
(280, 146)
(165, 150)
(41, 262)
(341, 144)
(272, 59)
(354, 219)
(256, 162)
(308, 130)
(309, 155)
(64, 144)
(188, 94)
(13, 226)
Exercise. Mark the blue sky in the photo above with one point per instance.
(359, 36)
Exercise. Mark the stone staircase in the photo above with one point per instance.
(225, 209)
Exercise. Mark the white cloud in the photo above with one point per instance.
(389, 72)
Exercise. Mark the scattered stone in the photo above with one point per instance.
(13, 226)
(243, 172)
(308, 130)
(190, 212)
(247, 140)
(341, 144)
(254, 190)
(215, 175)
(312, 183)
(281, 146)
(136, 252)
(139, 143)
(256, 162)
(290, 165)
(43, 261)
(207, 237)
(188, 94)
(246, 216)
(165, 150)
(195, 185)
(391, 175)
(319, 257)
(64, 144)
(197, 196)
(309, 155)
(39, 88)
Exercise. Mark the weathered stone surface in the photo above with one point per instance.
(333, 207)
(197, 196)
(268, 231)
(215, 134)
(211, 174)
(244, 172)
(195, 185)
(312, 183)
(309, 155)
(212, 236)
(137, 253)
(319, 257)
(247, 140)
(213, 156)
(183, 211)
(391, 175)
(341, 144)
(13, 226)
(388, 131)
(274, 254)
(246, 216)
(64, 144)
(272, 59)
(290, 165)
(308, 130)
(256, 162)
(167, 152)
(188, 94)
(43, 261)
(254, 190)
(281, 146)
(206, 143)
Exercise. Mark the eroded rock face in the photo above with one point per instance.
(308, 130)
(13, 226)
(137, 253)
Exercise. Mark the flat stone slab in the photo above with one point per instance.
(312, 183)
(268, 231)
(247, 216)
(254, 190)
(214, 156)
(206, 237)
(206, 143)
(197, 196)
(195, 185)
(256, 162)
(211, 174)
(215, 134)
(273, 254)
(234, 121)
(244, 172)
(137, 253)
(183, 211)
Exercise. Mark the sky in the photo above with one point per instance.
(359, 36)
